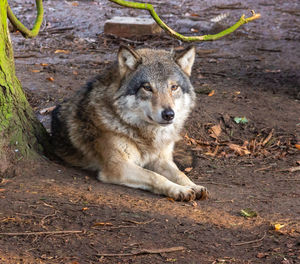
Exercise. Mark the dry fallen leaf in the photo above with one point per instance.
(188, 169)
(212, 154)
(211, 93)
(51, 79)
(190, 140)
(297, 146)
(75, 4)
(194, 203)
(193, 14)
(2, 190)
(215, 131)
(261, 255)
(170, 199)
(240, 150)
(248, 212)
(84, 209)
(277, 227)
(44, 64)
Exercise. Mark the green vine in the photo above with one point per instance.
(24, 30)
(177, 35)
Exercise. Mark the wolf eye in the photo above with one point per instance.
(147, 87)
(174, 87)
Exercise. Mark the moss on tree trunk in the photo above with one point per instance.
(21, 134)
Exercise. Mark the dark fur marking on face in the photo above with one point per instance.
(137, 80)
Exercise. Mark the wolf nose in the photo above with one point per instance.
(168, 114)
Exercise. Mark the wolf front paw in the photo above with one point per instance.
(183, 193)
(201, 192)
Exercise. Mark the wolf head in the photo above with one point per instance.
(155, 87)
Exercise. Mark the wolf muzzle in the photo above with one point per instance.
(168, 114)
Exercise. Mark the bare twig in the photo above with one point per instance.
(292, 169)
(142, 251)
(217, 183)
(45, 217)
(43, 233)
(267, 139)
(140, 223)
(263, 169)
(124, 226)
(225, 201)
(47, 110)
(251, 241)
(177, 35)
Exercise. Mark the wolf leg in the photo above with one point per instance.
(131, 175)
(171, 172)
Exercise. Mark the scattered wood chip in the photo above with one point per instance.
(262, 255)
(47, 110)
(35, 70)
(188, 169)
(51, 79)
(62, 51)
(44, 64)
(211, 93)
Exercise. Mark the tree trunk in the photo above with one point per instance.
(21, 134)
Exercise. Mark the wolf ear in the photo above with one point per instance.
(128, 59)
(185, 59)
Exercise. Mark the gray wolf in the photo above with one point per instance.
(125, 122)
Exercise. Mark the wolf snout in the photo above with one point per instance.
(168, 114)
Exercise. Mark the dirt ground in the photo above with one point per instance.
(253, 73)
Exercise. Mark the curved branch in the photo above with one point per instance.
(24, 30)
(177, 35)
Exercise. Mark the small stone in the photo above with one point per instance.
(131, 26)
